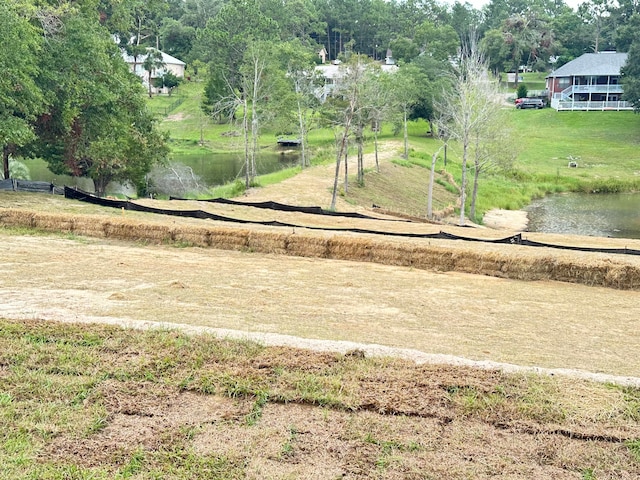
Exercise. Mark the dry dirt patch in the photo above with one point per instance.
(545, 324)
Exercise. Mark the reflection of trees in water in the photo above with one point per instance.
(174, 179)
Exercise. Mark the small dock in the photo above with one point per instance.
(289, 142)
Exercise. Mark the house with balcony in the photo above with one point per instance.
(590, 82)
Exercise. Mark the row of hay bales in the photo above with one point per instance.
(510, 263)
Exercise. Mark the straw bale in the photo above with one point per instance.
(267, 242)
(125, 230)
(624, 277)
(349, 248)
(392, 254)
(17, 218)
(198, 236)
(432, 258)
(89, 226)
(229, 238)
(306, 246)
(52, 222)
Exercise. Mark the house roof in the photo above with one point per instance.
(166, 58)
(603, 63)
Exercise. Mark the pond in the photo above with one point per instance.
(207, 169)
(602, 215)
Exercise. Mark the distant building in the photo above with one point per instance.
(333, 73)
(171, 64)
(590, 82)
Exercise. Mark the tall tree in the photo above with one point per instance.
(631, 76)
(97, 124)
(152, 62)
(20, 98)
(408, 84)
(467, 109)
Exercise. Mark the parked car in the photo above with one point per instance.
(530, 103)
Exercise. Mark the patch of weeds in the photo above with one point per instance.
(182, 244)
(287, 446)
(631, 396)
(402, 163)
(447, 186)
(135, 464)
(634, 448)
(588, 474)
(99, 423)
(261, 399)
(182, 465)
(318, 390)
(388, 450)
(472, 401)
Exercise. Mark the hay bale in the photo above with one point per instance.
(229, 239)
(349, 248)
(197, 236)
(624, 277)
(306, 246)
(392, 254)
(267, 242)
(17, 218)
(432, 258)
(89, 226)
(53, 222)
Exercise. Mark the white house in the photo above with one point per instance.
(171, 64)
(333, 73)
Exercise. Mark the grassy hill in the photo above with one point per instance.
(603, 144)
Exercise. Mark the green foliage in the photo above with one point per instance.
(522, 91)
(97, 125)
(20, 97)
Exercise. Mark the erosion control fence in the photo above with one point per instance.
(29, 186)
(513, 239)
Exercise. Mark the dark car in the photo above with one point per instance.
(530, 103)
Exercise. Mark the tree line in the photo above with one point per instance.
(67, 96)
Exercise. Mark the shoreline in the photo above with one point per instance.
(500, 219)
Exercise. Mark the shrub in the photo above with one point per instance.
(522, 91)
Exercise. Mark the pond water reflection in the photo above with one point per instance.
(211, 169)
(603, 215)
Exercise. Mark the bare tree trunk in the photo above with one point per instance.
(339, 154)
(303, 137)
(474, 194)
(360, 176)
(6, 151)
(432, 175)
(406, 135)
(375, 147)
(463, 186)
(245, 129)
(476, 174)
(346, 170)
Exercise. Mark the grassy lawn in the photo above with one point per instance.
(604, 145)
(100, 402)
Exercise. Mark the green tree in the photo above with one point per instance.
(407, 85)
(631, 76)
(20, 98)
(97, 125)
(176, 39)
(152, 62)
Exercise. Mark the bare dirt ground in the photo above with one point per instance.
(330, 305)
